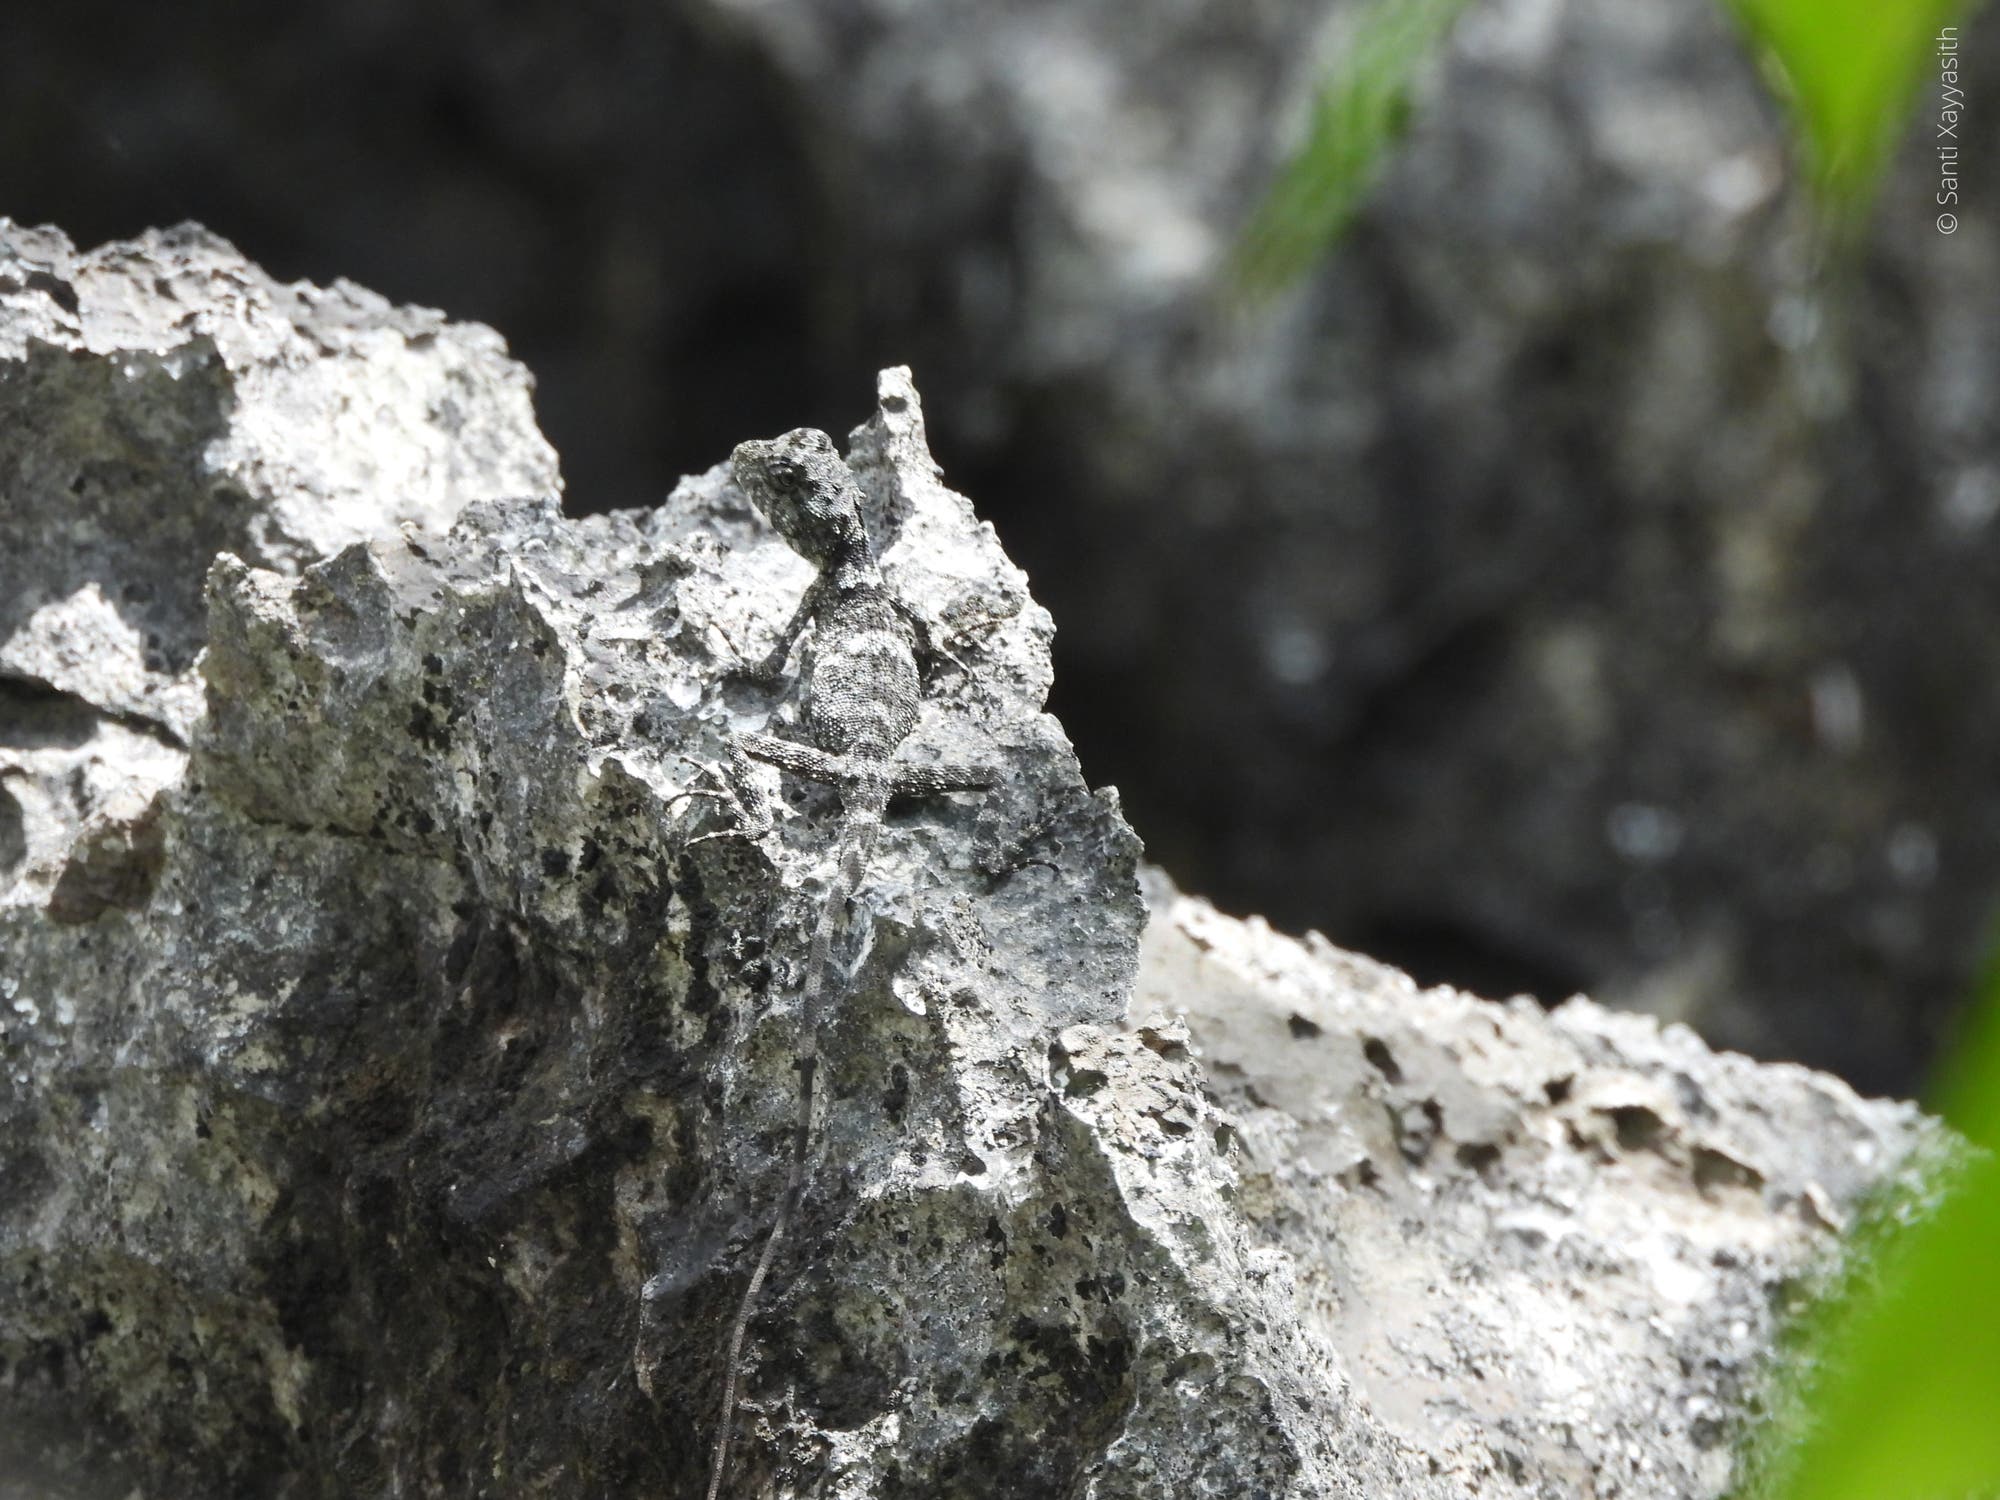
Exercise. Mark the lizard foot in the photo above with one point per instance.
(749, 816)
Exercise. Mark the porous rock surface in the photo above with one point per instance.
(1580, 580)
(1550, 1248)
(395, 1095)
(1579, 583)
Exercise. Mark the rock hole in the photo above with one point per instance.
(1478, 1156)
(1639, 1128)
(1381, 1058)
(13, 835)
(1717, 1169)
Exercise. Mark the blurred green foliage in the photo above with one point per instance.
(1894, 1391)
(1360, 109)
(1848, 71)
(1968, 1093)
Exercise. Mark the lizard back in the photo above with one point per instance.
(860, 691)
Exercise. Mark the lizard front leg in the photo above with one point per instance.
(772, 667)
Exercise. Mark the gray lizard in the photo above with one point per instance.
(860, 695)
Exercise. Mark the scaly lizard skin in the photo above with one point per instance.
(860, 695)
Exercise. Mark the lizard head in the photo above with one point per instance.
(804, 490)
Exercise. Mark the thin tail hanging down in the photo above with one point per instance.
(862, 817)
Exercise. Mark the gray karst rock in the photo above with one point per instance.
(1579, 580)
(395, 1092)
(1575, 582)
(1578, 583)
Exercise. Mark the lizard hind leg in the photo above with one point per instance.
(942, 776)
(789, 755)
(742, 799)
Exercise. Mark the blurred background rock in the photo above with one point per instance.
(1580, 579)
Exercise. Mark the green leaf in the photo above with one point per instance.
(1359, 111)
(1908, 1396)
(1849, 70)
(1968, 1092)
(1901, 1394)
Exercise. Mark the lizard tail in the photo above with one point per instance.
(862, 816)
(718, 1468)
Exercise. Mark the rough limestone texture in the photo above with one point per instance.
(395, 1092)
(1580, 583)
(1579, 580)
(1549, 1248)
